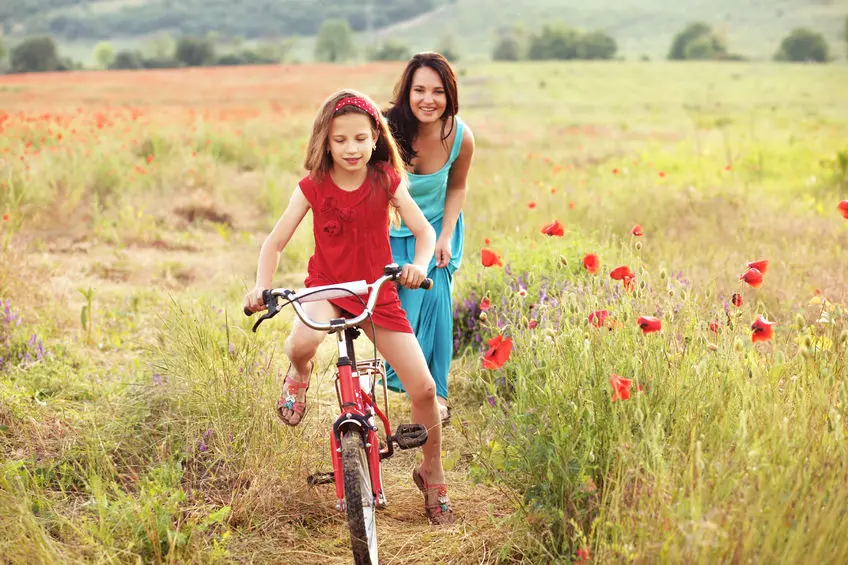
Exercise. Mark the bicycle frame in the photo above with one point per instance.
(356, 403)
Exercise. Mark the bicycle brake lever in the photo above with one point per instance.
(272, 302)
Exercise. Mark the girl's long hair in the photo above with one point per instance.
(403, 122)
(384, 158)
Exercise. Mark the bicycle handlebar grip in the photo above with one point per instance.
(427, 284)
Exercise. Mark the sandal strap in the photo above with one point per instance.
(297, 385)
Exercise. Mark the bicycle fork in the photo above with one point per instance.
(357, 411)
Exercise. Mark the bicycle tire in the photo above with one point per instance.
(360, 505)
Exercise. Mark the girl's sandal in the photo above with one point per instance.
(289, 401)
(436, 502)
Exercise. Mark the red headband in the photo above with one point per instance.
(360, 103)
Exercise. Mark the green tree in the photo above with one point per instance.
(128, 60)
(3, 51)
(36, 54)
(195, 51)
(391, 50)
(160, 47)
(104, 55)
(556, 41)
(803, 44)
(507, 49)
(702, 33)
(334, 43)
(596, 45)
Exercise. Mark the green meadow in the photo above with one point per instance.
(137, 408)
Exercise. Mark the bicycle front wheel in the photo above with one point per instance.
(360, 504)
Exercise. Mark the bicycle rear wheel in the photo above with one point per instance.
(360, 504)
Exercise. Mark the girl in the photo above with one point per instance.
(354, 186)
(437, 147)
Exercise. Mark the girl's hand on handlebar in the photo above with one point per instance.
(412, 275)
(253, 300)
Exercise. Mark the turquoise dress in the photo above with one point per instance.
(430, 312)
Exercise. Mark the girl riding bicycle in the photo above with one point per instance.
(355, 187)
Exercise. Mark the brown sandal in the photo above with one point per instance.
(289, 400)
(436, 502)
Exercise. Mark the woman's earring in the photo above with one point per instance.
(375, 147)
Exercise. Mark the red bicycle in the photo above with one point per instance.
(354, 442)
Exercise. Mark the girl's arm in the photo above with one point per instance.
(272, 247)
(455, 198)
(425, 237)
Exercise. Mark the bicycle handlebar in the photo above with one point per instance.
(270, 298)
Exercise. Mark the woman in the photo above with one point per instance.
(437, 148)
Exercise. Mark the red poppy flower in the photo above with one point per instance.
(532, 324)
(619, 273)
(150, 158)
(571, 205)
(736, 299)
(662, 174)
(753, 277)
(584, 556)
(649, 324)
(615, 171)
(637, 230)
(843, 208)
(714, 327)
(485, 304)
(761, 330)
(490, 259)
(628, 281)
(591, 263)
(531, 205)
(7, 216)
(554, 229)
(487, 241)
(598, 318)
(761, 265)
(498, 353)
(620, 387)
(727, 168)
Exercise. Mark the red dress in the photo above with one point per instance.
(351, 230)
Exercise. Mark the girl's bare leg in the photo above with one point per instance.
(403, 353)
(301, 347)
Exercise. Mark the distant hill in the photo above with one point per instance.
(76, 20)
(754, 28)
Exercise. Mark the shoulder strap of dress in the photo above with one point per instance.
(457, 142)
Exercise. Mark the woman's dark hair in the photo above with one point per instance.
(403, 122)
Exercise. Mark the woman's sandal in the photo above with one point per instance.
(289, 400)
(436, 502)
(444, 413)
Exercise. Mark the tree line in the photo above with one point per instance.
(253, 19)
(697, 41)
(335, 43)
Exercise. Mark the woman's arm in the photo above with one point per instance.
(273, 246)
(425, 237)
(455, 198)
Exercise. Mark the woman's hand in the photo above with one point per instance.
(443, 252)
(253, 300)
(412, 275)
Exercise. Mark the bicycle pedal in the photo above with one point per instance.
(408, 436)
(320, 479)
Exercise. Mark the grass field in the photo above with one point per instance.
(136, 408)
